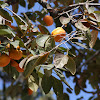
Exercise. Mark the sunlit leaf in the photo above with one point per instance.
(3, 5)
(32, 83)
(49, 44)
(34, 61)
(64, 20)
(94, 34)
(80, 44)
(48, 67)
(80, 26)
(97, 17)
(15, 43)
(60, 60)
(80, 38)
(6, 30)
(23, 27)
(22, 62)
(91, 10)
(41, 39)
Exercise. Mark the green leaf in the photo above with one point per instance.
(6, 30)
(3, 5)
(34, 61)
(88, 35)
(77, 90)
(64, 20)
(21, 43)
(15, 43)
(49, 44)
(46, 83)
(57, 86)
(32, 84)
(33, 44)
(15, 7)
(41, 39)
(68, 90)
(6, 15)
(18, 21)
(48, 67)
(31, 3)
(80, 26)
(94, 34)
(60, 60)
(11, 71)
(22, 3)
(43, 29)
(91, 10)
(71, 66)
(10, 91)
(23, 27)
(62, 77)
(65, 96)
(48, 72)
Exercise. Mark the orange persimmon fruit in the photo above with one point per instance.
(15, 54)
(13, 63)
(48, 20)
(19, 69)
(4, 60)
(30, 92)
(58, 34)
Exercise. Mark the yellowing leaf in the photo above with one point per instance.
(94, 35)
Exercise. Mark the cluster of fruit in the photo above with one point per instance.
(14, 54)
(59, 33)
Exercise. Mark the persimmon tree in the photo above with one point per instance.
(41, 59)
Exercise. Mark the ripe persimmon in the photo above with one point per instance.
(13, 63)
(19, 69)
(15, 54)
(48, 20)
(58, 34)
(4, 60)
(30, 92)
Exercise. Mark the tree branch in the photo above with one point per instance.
(55, 12)
(89, 59)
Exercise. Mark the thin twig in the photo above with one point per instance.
(64, 41)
